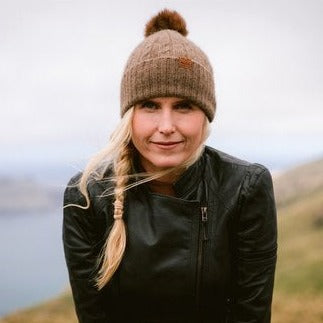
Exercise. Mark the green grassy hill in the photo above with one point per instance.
(298, 296)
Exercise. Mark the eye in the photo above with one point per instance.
(184, 105)
(150, 105)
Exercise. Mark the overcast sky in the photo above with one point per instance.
(61, 64)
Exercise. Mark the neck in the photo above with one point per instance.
(164, 184)
(165, 188)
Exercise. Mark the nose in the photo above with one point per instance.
(166, 123)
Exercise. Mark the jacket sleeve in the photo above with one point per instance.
(80, 257)
(256, 249)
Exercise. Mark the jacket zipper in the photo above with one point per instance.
(202, 238)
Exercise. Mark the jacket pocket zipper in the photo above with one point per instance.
(202, 237)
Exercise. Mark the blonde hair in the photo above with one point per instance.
(118, 154)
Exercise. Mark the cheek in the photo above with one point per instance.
(137, 125)
(194, 130)
(141, 128)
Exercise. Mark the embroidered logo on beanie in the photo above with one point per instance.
(185, 62)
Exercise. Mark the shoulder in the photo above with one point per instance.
(97, 190)
(72, 194)
(228, 168)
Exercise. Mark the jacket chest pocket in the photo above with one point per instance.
(160, 257)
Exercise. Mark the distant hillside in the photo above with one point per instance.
(298, 182)
(298, 294)
(19, 195)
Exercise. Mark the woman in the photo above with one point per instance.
(159, 227)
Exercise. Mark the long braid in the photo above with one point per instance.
(115, 244)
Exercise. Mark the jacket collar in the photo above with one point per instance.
(187, 181)
(190, 179)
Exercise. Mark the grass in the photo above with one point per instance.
(300, 257)
(297, 308)
(58, 310)
(298, 295)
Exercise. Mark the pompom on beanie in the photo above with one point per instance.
(167, 64)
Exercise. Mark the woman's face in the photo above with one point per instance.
(166, 131)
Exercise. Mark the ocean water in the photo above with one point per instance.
(32, 265)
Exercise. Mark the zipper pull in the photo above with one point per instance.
(204, 220)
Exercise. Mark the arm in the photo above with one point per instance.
(256, 249)
(81, 257)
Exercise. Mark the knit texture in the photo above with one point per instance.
(167, 64)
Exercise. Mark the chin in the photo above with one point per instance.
(167, 163)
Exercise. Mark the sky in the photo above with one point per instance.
(61, 62)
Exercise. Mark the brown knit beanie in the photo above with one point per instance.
(167, 64)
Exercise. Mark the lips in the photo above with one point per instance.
(167, 144)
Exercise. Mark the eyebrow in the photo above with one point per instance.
(184, 101)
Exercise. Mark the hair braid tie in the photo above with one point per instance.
(118, 210)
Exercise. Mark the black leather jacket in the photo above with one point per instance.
(206, 255)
